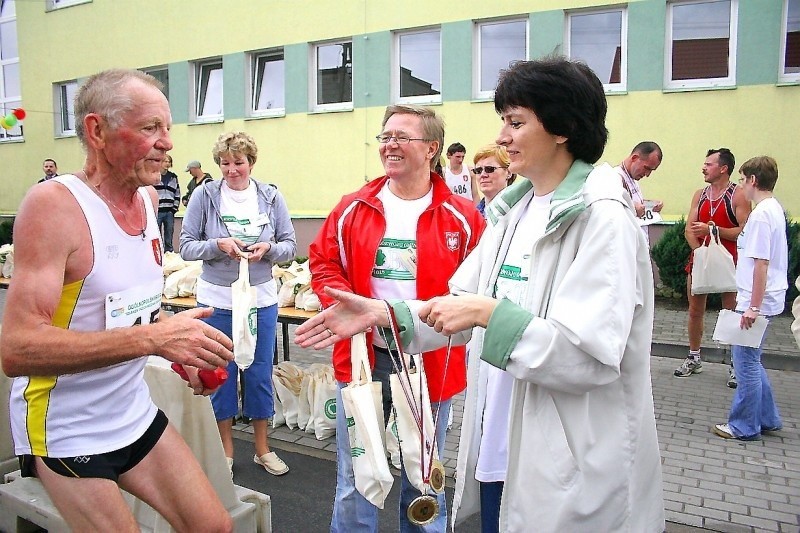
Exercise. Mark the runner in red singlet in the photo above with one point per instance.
(722, 203)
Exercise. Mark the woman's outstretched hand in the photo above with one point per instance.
(350, 314)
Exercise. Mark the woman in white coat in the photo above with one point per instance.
(558, 295)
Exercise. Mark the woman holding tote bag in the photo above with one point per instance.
(230, 220)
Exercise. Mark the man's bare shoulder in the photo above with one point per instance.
(49, 229)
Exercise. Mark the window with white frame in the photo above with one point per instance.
(162, 75)
(65, 103)
(599, 39)
(267, 83)
(332, 84)
(417, 72)
(497, 44)
(208, 90)
(58, 4)
(10, 93)
(790, 49)
(701, 44)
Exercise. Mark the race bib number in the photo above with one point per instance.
(134, 306)
(649, 216)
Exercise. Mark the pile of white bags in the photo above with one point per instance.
(7, 260)
(183, 282)
(305, 399)
(294, 287)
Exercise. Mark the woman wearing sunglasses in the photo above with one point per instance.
(491, 170)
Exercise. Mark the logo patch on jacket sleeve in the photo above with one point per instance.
(453, 240)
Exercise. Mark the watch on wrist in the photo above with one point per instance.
(754, 309)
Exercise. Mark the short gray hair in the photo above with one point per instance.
(103, 94)
(432, 124)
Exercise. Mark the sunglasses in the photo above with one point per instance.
(488, 169)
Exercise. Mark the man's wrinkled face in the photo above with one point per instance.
(137, 147)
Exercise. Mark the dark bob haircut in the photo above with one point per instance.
(567, 98)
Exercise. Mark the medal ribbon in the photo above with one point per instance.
(416, 409)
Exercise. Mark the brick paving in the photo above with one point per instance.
(709, 483)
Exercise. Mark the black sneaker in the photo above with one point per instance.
(731, 378)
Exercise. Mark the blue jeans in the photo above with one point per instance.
(351, 511)
(167, 219)
(753, 408)
(491, 496)
(258, 401)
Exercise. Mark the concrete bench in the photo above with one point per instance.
(25, 507)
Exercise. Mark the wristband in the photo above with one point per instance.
(755, 309)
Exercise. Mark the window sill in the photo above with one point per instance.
(323, 111)
(66, 135)
(788, 83)
(280, 114)
(12, 140)
(209, 121)
(698, 89)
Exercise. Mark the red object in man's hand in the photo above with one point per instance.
(211, 379)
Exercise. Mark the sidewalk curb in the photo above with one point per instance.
(771, 360)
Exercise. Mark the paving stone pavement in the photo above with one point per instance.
(709, 483)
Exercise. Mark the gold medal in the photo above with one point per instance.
(423, 510)
(437, 477)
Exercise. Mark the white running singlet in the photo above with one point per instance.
(106, 409)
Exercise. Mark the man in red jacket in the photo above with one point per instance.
(401, 236)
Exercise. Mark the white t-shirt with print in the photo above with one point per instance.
(512, 284)
(239, 211)
(763, 237)
(394, 272)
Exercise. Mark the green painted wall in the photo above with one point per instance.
(756, 60)
(457, 61)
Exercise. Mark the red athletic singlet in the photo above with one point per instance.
(721, 212)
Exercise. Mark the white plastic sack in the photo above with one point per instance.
(307, 299)
(187, 285)
(288, 403)
(172, 262)
(183, 280)
(407, 428)
(304, 418)
(8, 263)
(244, 317)
(293, 279)
(323, 410)
(365, 427)
(309, 387)
(713, 270)
(287, 379)
(392, 443)
(278, 418)
(796, 313)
